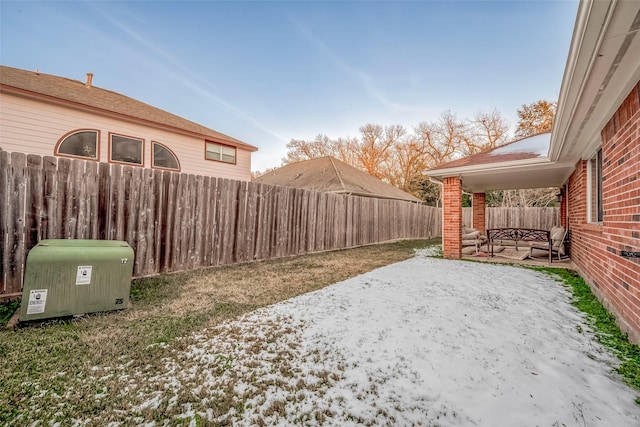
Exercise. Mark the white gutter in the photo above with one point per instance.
(496, 167)
(570, 80)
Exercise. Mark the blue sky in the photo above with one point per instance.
(269, 71)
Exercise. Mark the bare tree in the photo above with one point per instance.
(534, 118)
(375, 147)
(299, 149)
(436, 151)
(256, 174)
(452, 133)
(399, 157)
(491, 130)
(346, 149)
(537, 197)
(407, 161)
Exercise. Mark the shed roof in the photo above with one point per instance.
(84, 95)
(328, 174)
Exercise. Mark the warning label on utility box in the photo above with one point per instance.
(37, 301)
(84, 275)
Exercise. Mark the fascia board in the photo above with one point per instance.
(48, 99)
(488, 167)
(592, 16)
(588, 101)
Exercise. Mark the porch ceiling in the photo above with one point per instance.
(520, 164)
(525, 174)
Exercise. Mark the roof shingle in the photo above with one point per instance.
(328, 174)
(81, 95)
(530, 147)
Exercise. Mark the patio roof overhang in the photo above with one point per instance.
(602, 68)
(530, 173)
(519, 164)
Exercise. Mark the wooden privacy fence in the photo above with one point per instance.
(177, 222)
(540, 218)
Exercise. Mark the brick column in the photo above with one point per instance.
(478, 203)
(452, 218)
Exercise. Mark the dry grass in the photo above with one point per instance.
(264, 283)
(96, 368)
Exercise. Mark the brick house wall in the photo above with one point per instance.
(563, 210)
(596, 247)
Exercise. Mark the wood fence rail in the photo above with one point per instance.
(539, 218)
(176, 222)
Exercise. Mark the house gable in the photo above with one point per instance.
(37, 110)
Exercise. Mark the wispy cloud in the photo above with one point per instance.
(184, 74)
(365, 80)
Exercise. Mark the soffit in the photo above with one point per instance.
(602, 68)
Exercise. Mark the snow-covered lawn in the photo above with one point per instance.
(422, 342)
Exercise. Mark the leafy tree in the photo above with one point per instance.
(535, 118)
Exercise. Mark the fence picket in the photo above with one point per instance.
(34, 202)
(5, 202)
(15, 218)
(177, 221)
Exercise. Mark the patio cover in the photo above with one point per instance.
(523, 163)
(602, 68)
(328, 174)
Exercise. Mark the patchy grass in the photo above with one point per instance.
(606, 331)
(103, 367)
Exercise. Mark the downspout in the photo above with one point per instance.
(435, 181)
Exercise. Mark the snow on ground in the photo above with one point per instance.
(422, 342)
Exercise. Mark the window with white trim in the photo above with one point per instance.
(594, 188)
(219, 152)
(125, 149)
(82, 143)
(163, 157)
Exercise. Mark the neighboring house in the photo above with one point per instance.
(55, 116)
(592, 156)
(330, 175)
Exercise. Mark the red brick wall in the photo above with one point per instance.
(595, 248)
(478, 204)
(452, 218)
(563, 209)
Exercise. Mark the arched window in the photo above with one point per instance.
(79, 143)
(163, 157)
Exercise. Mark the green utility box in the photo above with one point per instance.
(67, 277)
